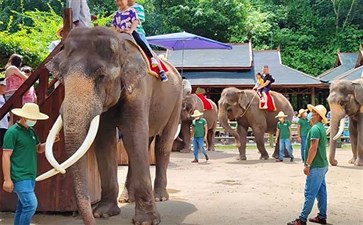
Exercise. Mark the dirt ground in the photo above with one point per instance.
(224, 191)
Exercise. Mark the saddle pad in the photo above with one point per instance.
(270, 103)
(206, 104)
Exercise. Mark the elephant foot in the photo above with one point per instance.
(152, 218)
(333, 162)
(265, 157)
(211, 149)
(241, 158)
(161, 195)
(185, 150)
(125, 197)
(352, 160)
(105, 210)
(358, 162)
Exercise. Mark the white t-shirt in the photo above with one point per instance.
(4, 123)
(187, 87)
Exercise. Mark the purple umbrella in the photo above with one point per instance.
(184, 40)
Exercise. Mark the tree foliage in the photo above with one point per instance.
(309, 33)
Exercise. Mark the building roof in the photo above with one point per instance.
(344, 62)
(221, 78)
(239, 57)
(352, 74)
(283, 75)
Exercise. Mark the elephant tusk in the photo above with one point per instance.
(57, 126)
(177, 131)
(328, 130)
(341, 129)
(79, 153)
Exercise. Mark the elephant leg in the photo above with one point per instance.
(106, 154)
(127, 194)
(276, 151)
(210, 139)
(186, 135)
(242, 131)
(136, 144)
(359, 149)
(353, 132)
(260, 142)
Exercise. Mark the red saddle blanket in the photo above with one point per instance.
(155, 70)
(270, 103)
(206, 104)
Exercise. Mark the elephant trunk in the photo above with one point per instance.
(337, 114)
(223, 121)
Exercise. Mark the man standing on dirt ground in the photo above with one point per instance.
(316, 166)
(199, 135)
(303, 128)
(20, 161)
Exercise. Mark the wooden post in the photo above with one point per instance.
(67, 22)
(312, 96)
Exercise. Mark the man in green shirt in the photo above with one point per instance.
(316, 166)
(303, 128)
(283, 135)
(199, 134)
(20, 162)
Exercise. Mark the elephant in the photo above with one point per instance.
(346, 98)
(243, 106)
(105, 73)
(190, 103)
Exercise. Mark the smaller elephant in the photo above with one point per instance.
(189, 104)
(346, 98)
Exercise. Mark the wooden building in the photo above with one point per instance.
(216, 69)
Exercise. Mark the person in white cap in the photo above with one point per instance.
(316, 166)
(4, 123)
(199, 134)
(20, 161)
(283, 135)
(303, 128)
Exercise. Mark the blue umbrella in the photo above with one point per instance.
(184, 40)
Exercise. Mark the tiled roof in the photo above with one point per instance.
(351, 74)
(347, 62)
(282, 74)
(238, 57)
(221, 78)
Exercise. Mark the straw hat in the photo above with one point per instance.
(30, 111)
(2, 81)
(59, 31)
(301, 111)
(197, 113)
(200, 91)
(321, 110)
(280, 115)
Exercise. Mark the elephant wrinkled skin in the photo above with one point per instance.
(189, 104)
(243, 106)
(104, 73)
(346, 98)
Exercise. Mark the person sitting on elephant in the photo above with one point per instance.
(303, 128)
(187, 87)
(199, 134)
(283, 135)
(259, 83)
(265, 87)
(126, 20)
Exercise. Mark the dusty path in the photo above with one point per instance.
(229, 192)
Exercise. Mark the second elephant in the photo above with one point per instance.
(191, 103)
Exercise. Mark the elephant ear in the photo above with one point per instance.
(242, 99)
(133, 63)
(54, 65)
(358, 91)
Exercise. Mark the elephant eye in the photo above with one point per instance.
(100, 78)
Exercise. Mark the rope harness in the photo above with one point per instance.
(249, 104)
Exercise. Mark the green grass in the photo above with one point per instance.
(254, 147)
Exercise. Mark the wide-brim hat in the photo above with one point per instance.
(200, 91)
(59, 31)
(197, 113)
(281, 115)
(30, 111)
(321, 110)
(2, 81)
(301, 111)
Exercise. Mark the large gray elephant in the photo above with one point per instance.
(104, 73)
(346, 98)
(189, 104)
(243, 106)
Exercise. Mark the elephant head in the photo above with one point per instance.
(232, 104)
(98, 68)
(345, 98)
(188, 106)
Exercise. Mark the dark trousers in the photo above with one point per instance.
(2, 134)
(142, 44)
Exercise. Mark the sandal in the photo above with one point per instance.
(317, 220)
